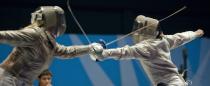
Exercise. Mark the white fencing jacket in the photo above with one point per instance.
(154, 55)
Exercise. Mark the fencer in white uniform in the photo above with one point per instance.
(152, 49)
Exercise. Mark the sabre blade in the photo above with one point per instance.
(77, 22)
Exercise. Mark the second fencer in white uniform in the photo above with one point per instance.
(152, 49)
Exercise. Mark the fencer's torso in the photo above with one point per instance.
(27, 62)
(154, 56)
(157, 63)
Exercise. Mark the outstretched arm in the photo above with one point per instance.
(126, 52)
(72, 51)
(179, 39)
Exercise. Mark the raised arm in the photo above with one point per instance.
(23, 37)
(66, 52)
(179, 39)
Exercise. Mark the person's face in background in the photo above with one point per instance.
(45, 80)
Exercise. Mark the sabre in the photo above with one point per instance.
(102, 42)
(111, 42)
(77, 22)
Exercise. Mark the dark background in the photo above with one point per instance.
(112, 16)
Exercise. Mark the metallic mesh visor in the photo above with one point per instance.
(149, 31)
(53, 19)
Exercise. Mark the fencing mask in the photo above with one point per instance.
(52, 18)
(147, 28)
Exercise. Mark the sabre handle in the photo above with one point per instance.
(103, 43)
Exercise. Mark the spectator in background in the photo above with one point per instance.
(45, 78)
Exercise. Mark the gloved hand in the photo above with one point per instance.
(199, 32)
(96, 50)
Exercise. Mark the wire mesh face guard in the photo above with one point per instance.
(147, 28)
(52, 18)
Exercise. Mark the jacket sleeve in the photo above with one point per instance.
(129, 52)
(23, 37)
(66, 52)
(179, 39)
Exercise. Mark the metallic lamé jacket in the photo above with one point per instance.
(33, 52)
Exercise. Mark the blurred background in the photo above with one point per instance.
(112, 16)
(109, 20)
